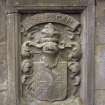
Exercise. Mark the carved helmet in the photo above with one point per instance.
(49, 33)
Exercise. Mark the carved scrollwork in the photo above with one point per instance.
(45, 76)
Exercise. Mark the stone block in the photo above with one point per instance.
(100, 22)
(3, 66)
(46, 2)
(100, 97)
(2, 21)
(2, 51)
(3, 97)
(100, 67)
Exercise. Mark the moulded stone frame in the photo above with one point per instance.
(87, 40)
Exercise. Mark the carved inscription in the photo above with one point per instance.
(51, 17)
(51, 54)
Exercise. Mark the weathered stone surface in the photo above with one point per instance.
(3, 66)
(100, 53)
(3, 52)
(100, 39)
(55, 36)
(71, 101)
(2, 21)
(46, 2)
(3, 74)
(51, 86)
(100, 22)
(3, 97)
(100, 97)
(100, 67)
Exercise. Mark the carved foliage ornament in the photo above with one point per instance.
(51, 54)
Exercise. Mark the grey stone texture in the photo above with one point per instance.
(3, 65)
(47, 2)
(99, 45)
(100, 22)
(100, 70)
(100, 53)
(100, 97)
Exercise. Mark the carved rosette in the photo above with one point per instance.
(51, 54)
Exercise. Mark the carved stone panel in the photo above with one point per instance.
(50, 60)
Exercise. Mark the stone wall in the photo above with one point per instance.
(99, 54)
(3, 53)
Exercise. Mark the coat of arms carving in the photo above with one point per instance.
(50, 62)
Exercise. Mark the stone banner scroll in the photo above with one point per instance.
(50, 61)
